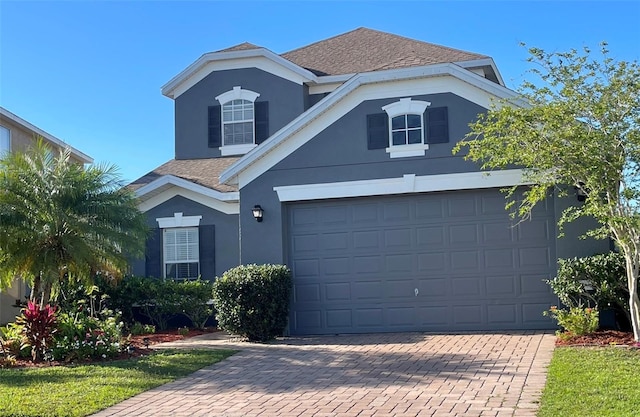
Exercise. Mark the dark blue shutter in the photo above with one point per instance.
(215, 127)
(377, 131)
(261, 112)
(437, 125)
(153, 254)
(207, 247)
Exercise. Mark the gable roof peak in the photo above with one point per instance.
(240, 47)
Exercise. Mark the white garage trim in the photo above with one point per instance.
(408, 183)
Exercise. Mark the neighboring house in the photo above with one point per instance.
(17, 135)
(343, 147)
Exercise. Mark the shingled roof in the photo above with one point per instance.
(240, 47)
(204, 172)
(365, 50)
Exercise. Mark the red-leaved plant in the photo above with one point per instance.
(39, 326)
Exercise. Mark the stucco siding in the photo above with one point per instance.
(286, 102)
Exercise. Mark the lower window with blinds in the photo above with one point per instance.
(181, 253)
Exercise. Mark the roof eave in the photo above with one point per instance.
(147, 190)
(59, 142)
(169, 88)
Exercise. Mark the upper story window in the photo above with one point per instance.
(238, 124)
(5, 140)
(406, 127)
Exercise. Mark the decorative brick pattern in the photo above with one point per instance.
(400, 374)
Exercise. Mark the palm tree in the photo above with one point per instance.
(62, 221)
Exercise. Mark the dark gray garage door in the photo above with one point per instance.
(429, 262)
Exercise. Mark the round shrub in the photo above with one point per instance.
(253, 301)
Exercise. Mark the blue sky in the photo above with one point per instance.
(90, 72)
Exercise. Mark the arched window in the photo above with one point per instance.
(237, 120)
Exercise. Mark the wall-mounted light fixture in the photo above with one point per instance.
(581, 192)
(257, 213)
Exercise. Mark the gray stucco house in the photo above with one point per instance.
(344, 149)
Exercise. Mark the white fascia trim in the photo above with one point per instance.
(237, 94)
(58, 142)
(178, 220)
(187, 185)
(407, 184)
(399, 83)
(216, 61)
(221, 206)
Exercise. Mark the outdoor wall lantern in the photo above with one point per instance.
(257, 213)
(581, 193)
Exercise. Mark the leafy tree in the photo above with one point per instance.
(62, 221)
(580, 130)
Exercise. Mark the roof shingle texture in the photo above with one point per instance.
(204, 172)
(240, 47)
(365, 50)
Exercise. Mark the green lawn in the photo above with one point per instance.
(85, 389)
(596, 382)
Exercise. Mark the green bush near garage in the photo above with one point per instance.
(253, 301)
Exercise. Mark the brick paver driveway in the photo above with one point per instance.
(403, 374)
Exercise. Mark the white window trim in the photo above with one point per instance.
(237, 149)
(165, 262)
(399, 108)
(178, 220)
(9, 136)
(237, 93)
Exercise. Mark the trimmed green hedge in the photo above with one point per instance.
(253, 300)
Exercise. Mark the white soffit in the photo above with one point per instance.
(399, 83)
(408, 183)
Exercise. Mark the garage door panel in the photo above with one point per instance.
(305, 293)
(464, 315)
(368, 290)
(339, 319)
(430, 237)
(433, 287)
(399, 263)
(534, 284)
(334, 241)
(433, 316)
(501, 286)
(306, 268)
(338, 291)
(497, 232)
(395, 212)
(501, 258)
(365, 214)
(357, 264)
(401, 316)
(336, 266)
(465, 287)
(464, 260)
(366, 240)
(369, 317)
(434, 261)
(506, 314)
(432, 209)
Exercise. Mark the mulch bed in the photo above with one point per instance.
(140, 347)
(601, 338)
